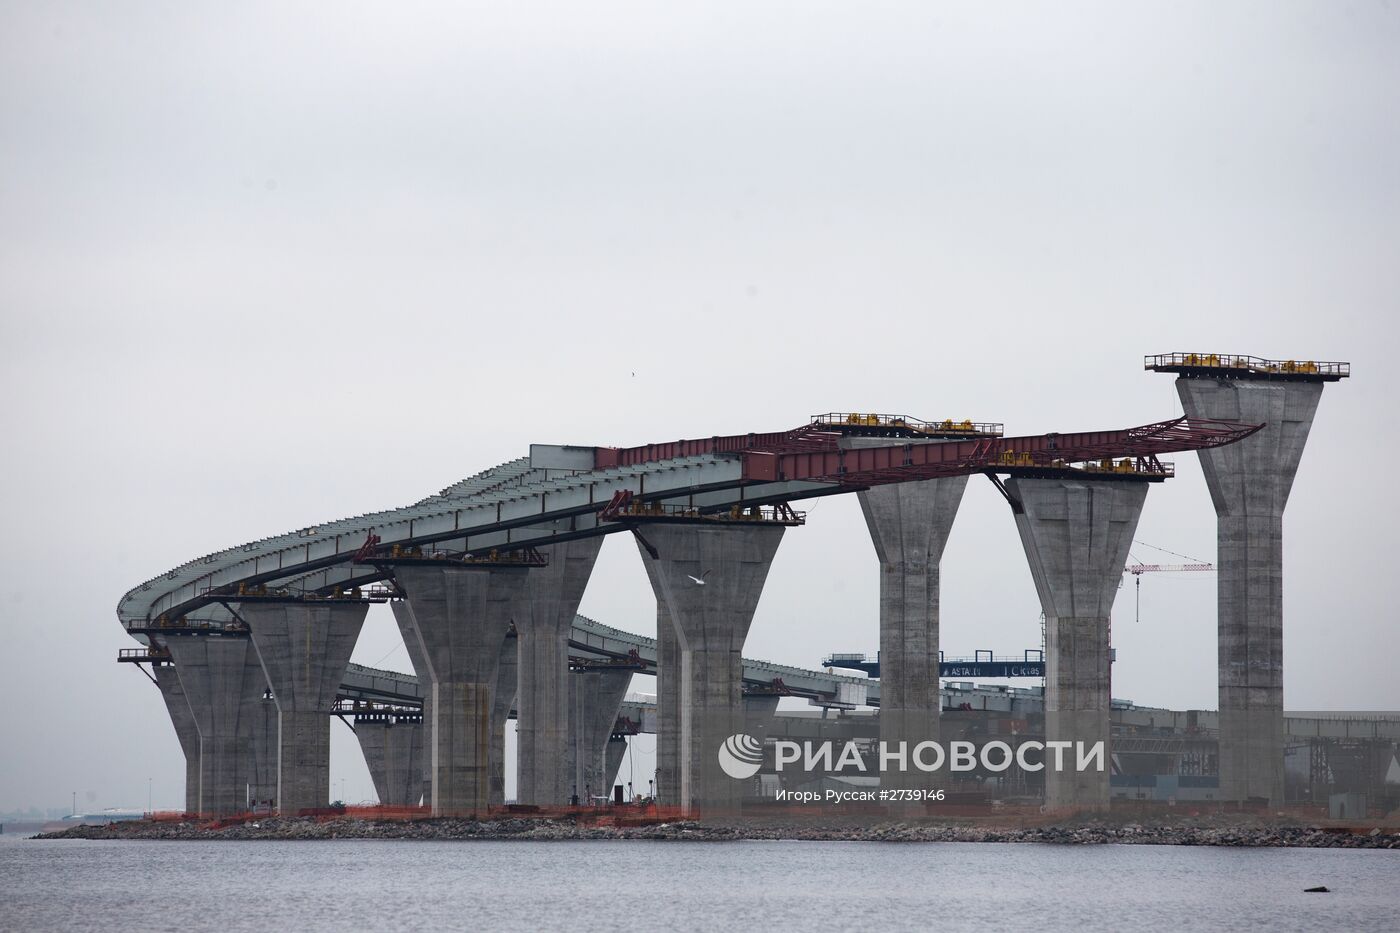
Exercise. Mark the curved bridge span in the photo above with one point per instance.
(485, 578)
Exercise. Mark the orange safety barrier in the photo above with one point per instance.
(625, 814)
(386, 812)
(632, 814)
(235, 819)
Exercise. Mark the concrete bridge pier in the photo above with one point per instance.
(909, 525)
(393, 750)
(1249, 485)
(711, 576)
(542, 709)
(505, 695)
(304, 648)
(596, 698)
(224, 685)
(1076, 534)
(461, 614)
(403, 616)
(185, 729)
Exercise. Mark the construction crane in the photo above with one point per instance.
(1138, 569)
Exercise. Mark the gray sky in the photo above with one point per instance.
(263, 265)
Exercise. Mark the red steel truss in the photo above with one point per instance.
(811, 452)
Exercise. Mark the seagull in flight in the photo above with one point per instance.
(700, 580)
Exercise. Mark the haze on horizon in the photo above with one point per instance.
(270, 265)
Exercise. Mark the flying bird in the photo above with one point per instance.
(700, 580)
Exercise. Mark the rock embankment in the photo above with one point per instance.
(1087, 833)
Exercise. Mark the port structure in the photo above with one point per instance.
(485, 579)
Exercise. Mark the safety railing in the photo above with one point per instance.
(1141, 466)
(948, 426)
(1252, 364)
(1028, 656)
(357, 706)
(138, 655)
(186, 624)
(255, 591)
(526, 556)
(634, 509)
(978, 657)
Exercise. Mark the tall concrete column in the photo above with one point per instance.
(213, 670)
(1249, 485)
(393, 751)
(596, 698)
(507, 670)
(542, 710)
(304, 648)
(185, 729)
(711, 577)
(1076, 534)
(909, 525)
(403, 616)
(461, 614)
(668, 703)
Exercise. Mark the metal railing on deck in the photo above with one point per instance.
(1143, 466)
(854, 419)
(625, 507)
(1251, 364)
(138, 655)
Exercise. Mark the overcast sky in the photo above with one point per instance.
(264, 265)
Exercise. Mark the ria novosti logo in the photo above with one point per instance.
(741, 756)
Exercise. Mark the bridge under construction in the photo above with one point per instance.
(251, 646)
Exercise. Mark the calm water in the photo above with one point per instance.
(359, 885)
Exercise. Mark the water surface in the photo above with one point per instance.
(347, 885)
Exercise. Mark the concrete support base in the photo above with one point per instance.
(542, 713)
(304, 649)
(711, 619)
(224, 686)
(1249, 485)
(596, 698)
(393, 753)
(1076, 535)
(461, 615)
(185, 730)
(909, 525)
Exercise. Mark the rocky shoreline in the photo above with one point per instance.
(1090, 832)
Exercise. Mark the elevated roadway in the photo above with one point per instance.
(559, 493)
(458, 561)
